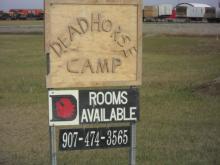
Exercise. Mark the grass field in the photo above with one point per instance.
(178, 126)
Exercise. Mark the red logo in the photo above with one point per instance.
(64, 108)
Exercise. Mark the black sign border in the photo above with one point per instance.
(61, 131)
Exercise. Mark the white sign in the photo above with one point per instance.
(63, 107)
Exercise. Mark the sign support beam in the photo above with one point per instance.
(132, 152)
(53, 153)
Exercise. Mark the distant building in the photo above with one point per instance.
(213, 3)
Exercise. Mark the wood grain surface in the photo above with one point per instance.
(93, 43)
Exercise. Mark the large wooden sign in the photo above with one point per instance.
(91, 43)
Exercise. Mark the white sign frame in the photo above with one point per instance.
(74, 93)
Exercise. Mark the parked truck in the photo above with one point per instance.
(24, 14)
(165, 10)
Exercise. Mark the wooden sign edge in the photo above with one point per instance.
(139, 4)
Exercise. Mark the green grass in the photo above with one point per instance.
(177, 126)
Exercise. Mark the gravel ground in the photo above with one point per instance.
(149, 29)
(21, 29)
(198, 29)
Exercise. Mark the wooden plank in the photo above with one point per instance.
(93, 43)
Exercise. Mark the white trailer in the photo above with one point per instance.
(165, 10)
(195, 11)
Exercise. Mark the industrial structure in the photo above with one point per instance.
(22, 14)
(184, 12)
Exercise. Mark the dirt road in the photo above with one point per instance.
(21, 29)
(198, 29)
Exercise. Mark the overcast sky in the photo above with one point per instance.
(9, 4)
(19, 4)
